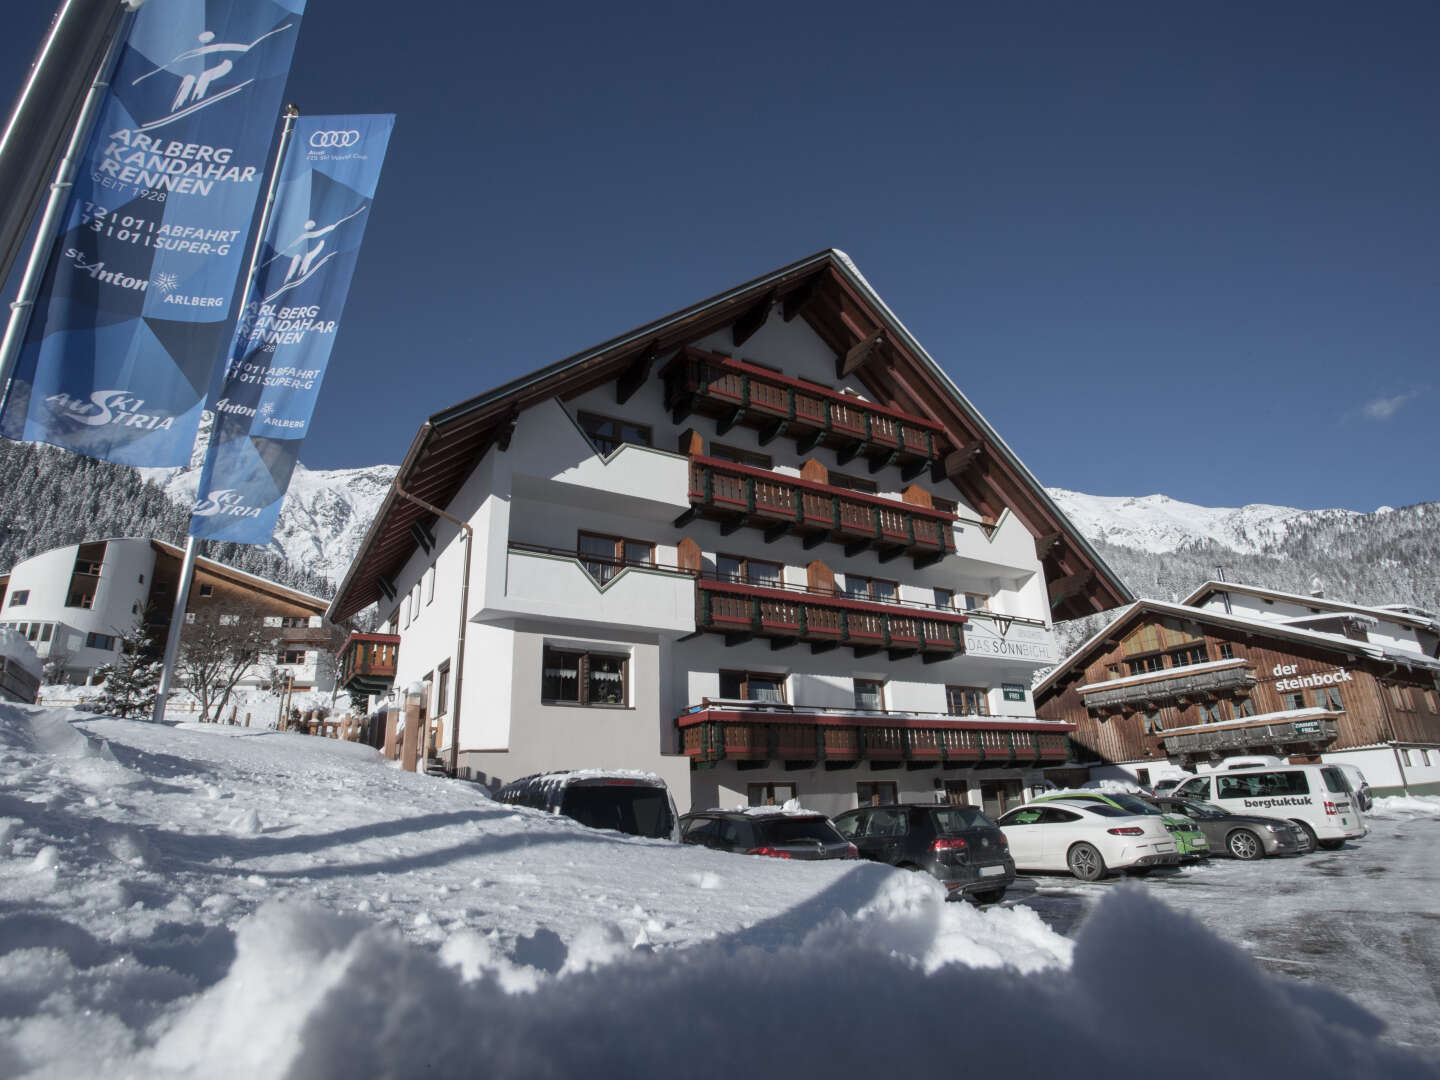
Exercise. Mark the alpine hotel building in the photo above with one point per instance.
(763, 547)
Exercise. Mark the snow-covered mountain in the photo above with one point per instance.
(1160, 524)
(323, 518)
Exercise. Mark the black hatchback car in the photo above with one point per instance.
(767, 830)
(957, 844)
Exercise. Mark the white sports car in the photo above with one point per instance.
(1088, 839)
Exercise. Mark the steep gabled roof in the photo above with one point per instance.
(1271, 628)
(871, 344)
(250, 581)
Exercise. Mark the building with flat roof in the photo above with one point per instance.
(73, 603)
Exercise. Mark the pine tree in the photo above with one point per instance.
(133, 680)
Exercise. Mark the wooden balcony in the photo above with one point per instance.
(1307, 735)
(734, 392)
(368, 661)
(741, 495)
(755, 734)
(1170, 686)
(788, 614)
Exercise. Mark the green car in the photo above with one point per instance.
(1189, 840)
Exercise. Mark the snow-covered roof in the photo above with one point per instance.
(1270, 627)
(1400, 613)
(1163, 673)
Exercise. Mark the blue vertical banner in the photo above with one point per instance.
(134, 313)
(285, 334)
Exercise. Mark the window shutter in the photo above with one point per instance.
(916, 495)
(814, 471)
(687, 555)
(820, 577)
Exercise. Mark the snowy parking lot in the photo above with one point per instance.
(1364, 919)
(201, 901)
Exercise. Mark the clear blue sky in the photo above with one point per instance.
(1180, 248)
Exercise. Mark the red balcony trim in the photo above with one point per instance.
(797, 595)
(823, 489)
(825, 720)
(815, 390)
(379, 639)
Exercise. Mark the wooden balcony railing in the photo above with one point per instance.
(734, 392)
(788, 614)
(755, 733)
(738, 495)
(1170, 685)
(1283, 737)
(368, 662)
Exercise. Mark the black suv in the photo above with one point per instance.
(957, 844)
(767, 830)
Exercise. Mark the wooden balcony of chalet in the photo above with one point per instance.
(1171, 686)
(368, 661)
(741, 495)
(735, 392)
(789, 614)
(755, 734)
(1307, 734)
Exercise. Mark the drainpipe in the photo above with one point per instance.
(464, 614)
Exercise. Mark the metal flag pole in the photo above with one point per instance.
(20, 309)
(187, 567)
(45, 110)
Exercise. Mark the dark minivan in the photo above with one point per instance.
(628, 802)
(767, 830)
(957, 844)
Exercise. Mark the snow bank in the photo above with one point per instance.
(1405, 807)
(313, 995)
(14, 646)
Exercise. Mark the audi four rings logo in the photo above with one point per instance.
(336, 139)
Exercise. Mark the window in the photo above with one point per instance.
(870, 695)
(142, 579)
(32, 632)
(1142, 777)
(876, 589)
(207, 590)
(46, 631)
(976, 601)
(752, 458)
(1399, 697)
(604, 556)
(294, 622)
(1261, 785)
(1210, 713)
(1226, 650)
(609, 434)
(100, 641)
(1185, 657)
(583, 678)
(1295, 701)
(1409, 756)
(769, 794)
(1430, 702)
(1328, 697)
(1144, 665)
(442, 690)
(1244, 707)
(752, 686)
(877, 793)
(1153, 726)
(291, 656)
(19, 598)
(854, 483)
(405, 612)
(430, 584)
(950, 506)
(967, 701)
(750, 571)
(945, 598)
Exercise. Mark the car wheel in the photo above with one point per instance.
(1244, 844)
(1085, 862)
(1311, 841)
(989, 896)
(1331, 845)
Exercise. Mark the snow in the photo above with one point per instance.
(14, 646)
(202, 900)
(1404, 808)
(1163, 673)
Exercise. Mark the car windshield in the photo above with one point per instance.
(790, 830)
(1199, 810)
(1106, 810)
(640, 811)
(959, 818)
(1131, 803)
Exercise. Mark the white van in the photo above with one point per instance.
(1316, 797)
